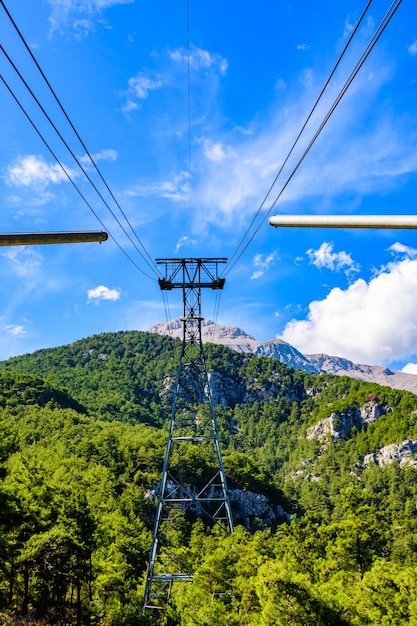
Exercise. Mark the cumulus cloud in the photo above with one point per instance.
(200, 58)
(303, 46)
(370, 322)
(33, 171)
(262, 263)
(103, 293)
(325, 257)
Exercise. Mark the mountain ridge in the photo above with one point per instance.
(237, 339)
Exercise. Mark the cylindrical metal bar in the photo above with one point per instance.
(344, 221)
(26, 239)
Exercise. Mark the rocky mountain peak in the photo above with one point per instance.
(237, 339)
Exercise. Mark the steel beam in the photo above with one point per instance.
(344, 221)
(30, 239)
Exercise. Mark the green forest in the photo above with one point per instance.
(83, 431)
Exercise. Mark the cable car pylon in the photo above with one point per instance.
(193, 482)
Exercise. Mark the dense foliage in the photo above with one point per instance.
(82, 437)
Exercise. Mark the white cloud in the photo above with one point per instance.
(377, 152)
(140, 85)
(25, 261)
(410, 368)
(130, 106)
(30, 203)
(104, 155)
(303, 46)
(176, 189)
(103, 293)
(183, 241)
(262, 263)
(372, 323)
(139, 88)
(400, 248)
(200, 58)
(324, 257)
(79, 15)
(15, 338)
(33, 171)
(15, 330)
(412, 48)
(217, 151)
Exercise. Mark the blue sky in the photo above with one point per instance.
(190, 178)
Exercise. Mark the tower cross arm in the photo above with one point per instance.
(191, 273)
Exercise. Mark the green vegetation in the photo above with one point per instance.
(82, 441)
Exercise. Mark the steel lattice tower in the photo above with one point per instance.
(192, 440)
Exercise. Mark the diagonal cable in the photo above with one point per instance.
(375, 37)
(69, 176)
(77, 135)
(301, 130)
(75, 158)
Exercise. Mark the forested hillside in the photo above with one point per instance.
(83, 430)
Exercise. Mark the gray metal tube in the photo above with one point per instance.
(344, 221)
(26, 239)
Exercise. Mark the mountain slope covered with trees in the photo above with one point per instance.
(83, 431)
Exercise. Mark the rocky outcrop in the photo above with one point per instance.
(246, 505)
(340, 423)
(228, 391)
(402, 453)
(225, 390)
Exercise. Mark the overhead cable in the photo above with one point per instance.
(69, 176)
(302, 128)
(151, 266)
(383, 24)
(190, 187)
(150, 261)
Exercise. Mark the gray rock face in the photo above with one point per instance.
(236, 339)
(226, 391)
(246, 505)
(339, 424)
(402, 453)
